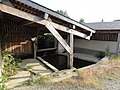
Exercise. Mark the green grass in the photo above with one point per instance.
(40, 80)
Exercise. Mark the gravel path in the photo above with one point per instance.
(109, 85)
(112, 85)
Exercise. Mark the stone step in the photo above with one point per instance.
(18, 79)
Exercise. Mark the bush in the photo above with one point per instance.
(10, 64)
(41, 80)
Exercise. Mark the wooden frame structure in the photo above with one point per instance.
(54, 22)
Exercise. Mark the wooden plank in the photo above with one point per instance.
(118, 44)
(58, 36)
(48, 49)
(36, 19)
(29, 23)
(48, 64)
(66, 29)
(21, 14)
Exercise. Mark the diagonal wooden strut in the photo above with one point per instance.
(58, 36)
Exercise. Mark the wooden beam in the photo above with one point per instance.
(21, 14)
(66, 29)
(29, 23)
(88, 37)
(48, 64)
(46, 16)
(58, 36)
(53, 13)
(47, 49)
(36, 19)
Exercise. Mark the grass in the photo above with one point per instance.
(94, 76)
(40, 80)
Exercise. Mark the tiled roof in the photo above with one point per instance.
(104, 25)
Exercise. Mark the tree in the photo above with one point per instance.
(81, 20)
(63, 12)
(102, 20)
(116, 20)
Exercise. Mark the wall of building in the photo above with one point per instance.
(96, 45)
(15, 39)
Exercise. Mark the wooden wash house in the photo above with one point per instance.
(21, 21)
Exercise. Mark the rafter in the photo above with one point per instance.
(36, 19)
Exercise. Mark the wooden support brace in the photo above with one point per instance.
(58, 36)
(48, 64)
(88, 37)
(27, 23)
(47, 49)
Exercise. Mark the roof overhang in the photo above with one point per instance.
(49, 12)
(55, 14)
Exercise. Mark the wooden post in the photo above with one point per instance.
(1, 17)
(118, 44)
(56, 45)
(70, 56)
(34, 46)
(0, 66)
(35, 50)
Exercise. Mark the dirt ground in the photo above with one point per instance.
(104, 75)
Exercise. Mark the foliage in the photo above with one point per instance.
(116, 20)
(9, 66)
(107, 52)
(115, 57)
(81, 20)
(100, 54)
(46, 41)
(63, 12)
(38, 80)
(49, 41)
